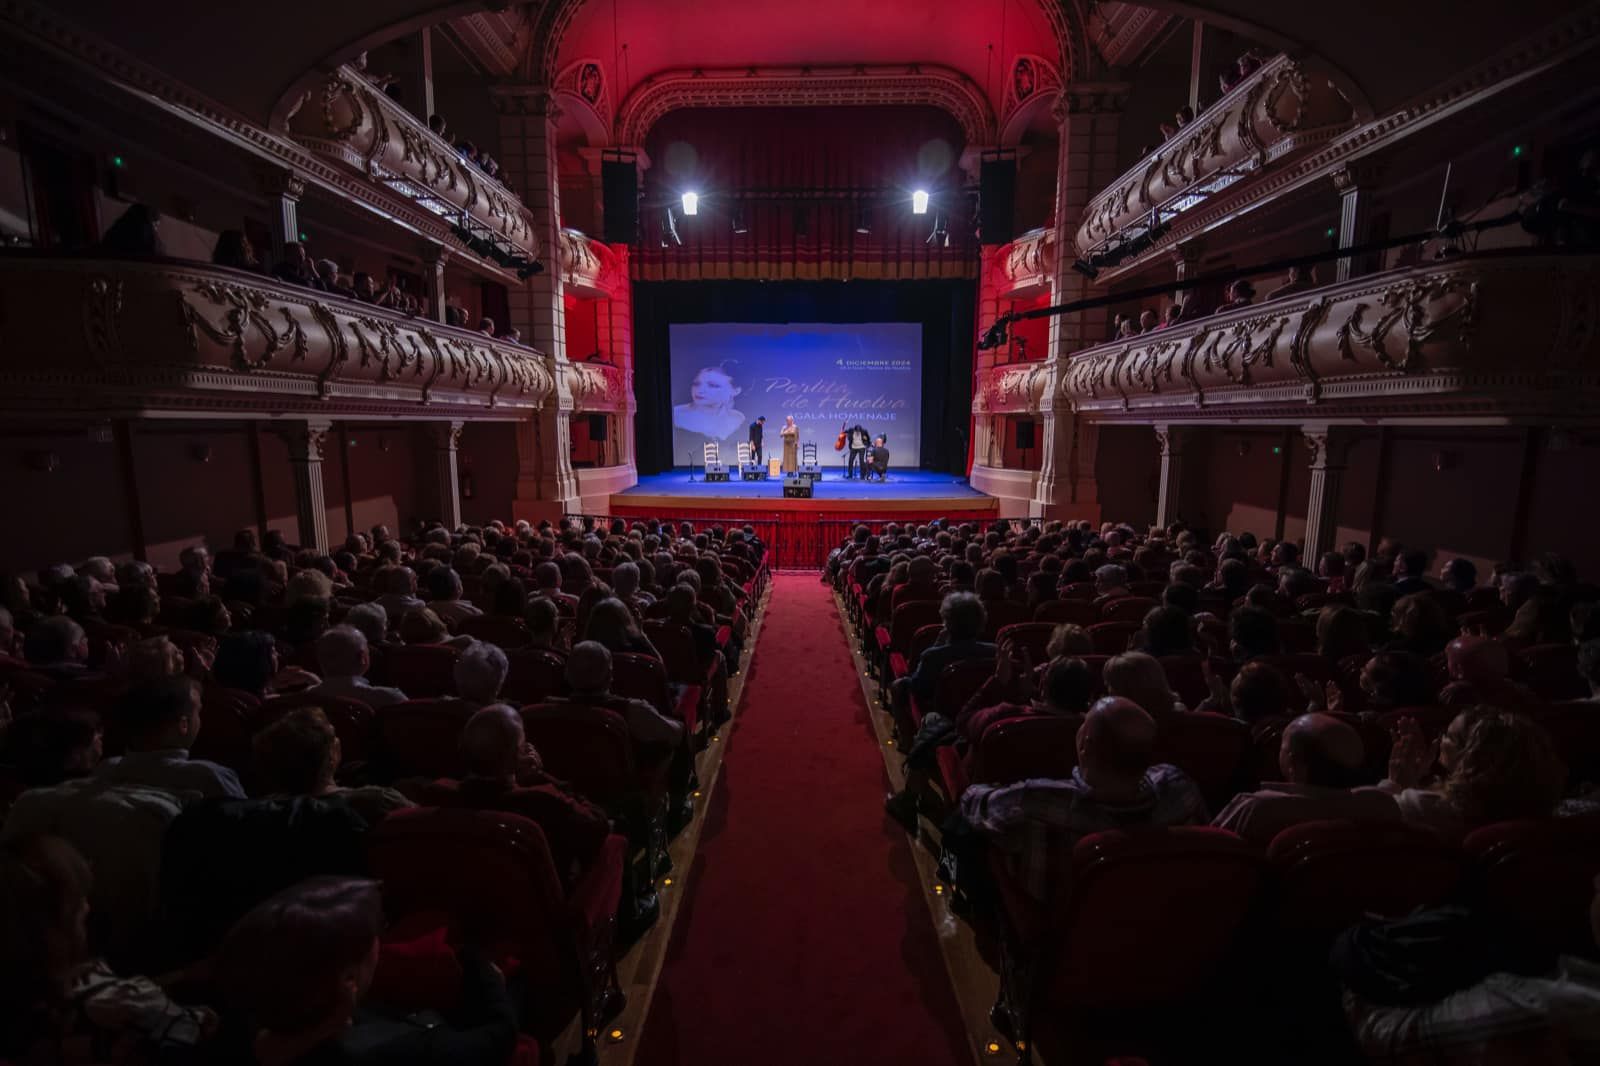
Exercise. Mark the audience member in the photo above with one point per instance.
(343, 655)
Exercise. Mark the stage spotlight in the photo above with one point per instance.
(995, 336)
(739, 223)
(669, 229)
(691, 203)
(940, 237)
(863, 220)
(919, 202)
(1086, 268)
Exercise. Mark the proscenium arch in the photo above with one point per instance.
(933, 86)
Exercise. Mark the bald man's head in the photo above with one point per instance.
(1319, 749)
(1116, 743)
(491, 741)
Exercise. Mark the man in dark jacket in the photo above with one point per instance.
(856, 439)
(757, 430)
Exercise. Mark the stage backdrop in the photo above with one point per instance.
(826, 375)
(826, 352)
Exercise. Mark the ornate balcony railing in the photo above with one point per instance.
(599, 387)
(1495, 336)
(355, 123)
(592, 268)
(89, 333)
(1028, 264)
(1285, 107)
(1014, 389)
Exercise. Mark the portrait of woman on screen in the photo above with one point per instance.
(710, 410)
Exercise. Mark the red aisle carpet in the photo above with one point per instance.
(804, 939)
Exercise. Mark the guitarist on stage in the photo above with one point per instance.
(857, 440)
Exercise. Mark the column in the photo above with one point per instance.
(1089, 114)
(1185, 264)
(446, 440)
(307, 440)
(528, 116)
(1330, 448)
(1171, 440)
(284, 188)
(434, 258)
(1203, 60)
(1355, 186)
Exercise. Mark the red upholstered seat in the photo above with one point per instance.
(1034, 637)
(535, 675)
(1078, 590)
(421, 670)
(1551, 670)
(1001, 613)
(491, 873)
(644, 677)
(1177, 895)
(921, 641)
(1186, 676)
(906, 620)
(508, 633)
(1538, 874)
(421, 738)
(1327, 875)
(1017, 749)
(587, 747)
(1111, 638)
(351, 720)
(225, 725)
(1210, 748)
(1127, 609)
(1078, 612)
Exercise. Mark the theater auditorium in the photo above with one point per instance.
(739, 533)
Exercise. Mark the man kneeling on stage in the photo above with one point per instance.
(880, 460)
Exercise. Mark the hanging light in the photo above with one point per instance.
(740, 225)
(919, 202)
(863, 220)
(691, 203)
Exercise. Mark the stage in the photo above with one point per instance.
(803, 530)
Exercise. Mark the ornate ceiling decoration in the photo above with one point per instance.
(806, 87)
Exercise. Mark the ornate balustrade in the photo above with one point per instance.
(1491, 337)
(1014, 389)
(1285, 107)
(1028, 264)
(599, 387)
(592, 268)
(161, 335)
(354, 122)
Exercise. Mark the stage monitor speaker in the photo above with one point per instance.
(811, 471)
(1024, 433)
(619, 185)
(717, 471)
(597, 427)
(796, 487)
(997, 193)
(753, 472)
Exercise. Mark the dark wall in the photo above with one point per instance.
(943, 308)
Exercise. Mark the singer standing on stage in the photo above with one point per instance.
(757, 430)
(791, 445)
(856, 439)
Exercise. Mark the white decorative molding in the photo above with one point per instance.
(355, 122)
(31, 37)
(593, 269)
(1027, 264)
(1282, 109)
(925, 84)
(1507, 335)
(1031, 78)
(485, 34)
(176, 336)
(585, 81)
(1122, 32)
(1553, 45)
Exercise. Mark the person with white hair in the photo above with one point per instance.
(344, 657)
(589, 676)
(625, 587)
(480, 670)
(1110, 583)
(99, 568)
(444, 590)
(371, 620)
(134, 573)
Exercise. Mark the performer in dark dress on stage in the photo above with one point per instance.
(856, 439)
(756, 430)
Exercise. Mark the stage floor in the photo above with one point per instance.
(801, 531)
(921, 486)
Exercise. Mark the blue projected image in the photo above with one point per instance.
(829, 376)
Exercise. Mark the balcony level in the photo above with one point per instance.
(81, 334)
(1490, 338)
(354, 123)
(1282, 110)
